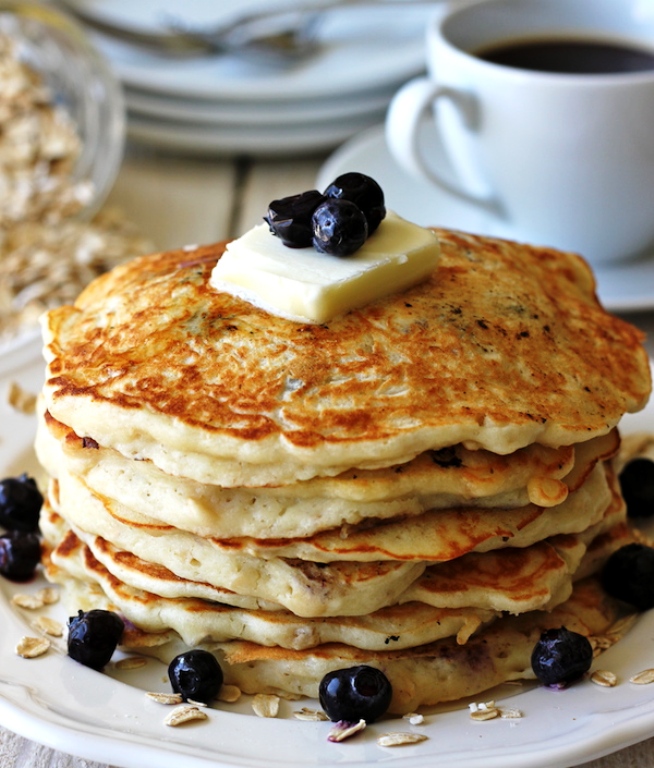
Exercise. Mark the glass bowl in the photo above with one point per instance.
(80, 81)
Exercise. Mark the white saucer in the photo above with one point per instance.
(628, 287)
(360, 50)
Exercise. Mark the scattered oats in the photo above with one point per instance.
(48, 595)
(483, 710)
(344, 730)
(185, 714)
(194, 703)
(313, 715)
(20, 399)
(49, 626)
(643, 678)
(229, 694)
(31, 647)
(604, 678)
(485, 714)
(509, 713)
(265, 705)
(399, 738)
(131, 662)
(414, 718)
(29, 602)
(165, 698)
(616, 632)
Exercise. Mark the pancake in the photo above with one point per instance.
(424, 676)
(199, 621)
(472, 588)
(435, 480)
(504, 346)
(423, 484)
(303, 587)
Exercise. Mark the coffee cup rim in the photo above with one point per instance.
(438, 31)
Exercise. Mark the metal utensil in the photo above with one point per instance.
(280, 36)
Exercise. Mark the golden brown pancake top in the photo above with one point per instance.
(506, 344)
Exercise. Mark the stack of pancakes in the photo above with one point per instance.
(422, 484)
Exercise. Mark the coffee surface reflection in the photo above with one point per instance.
(577, 57)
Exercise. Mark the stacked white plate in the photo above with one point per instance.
(226, 105)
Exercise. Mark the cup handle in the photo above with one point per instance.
(410, 104)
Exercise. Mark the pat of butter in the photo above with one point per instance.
(304, 285)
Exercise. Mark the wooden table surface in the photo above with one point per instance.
(177, 201)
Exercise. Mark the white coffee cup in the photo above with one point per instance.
(565, 160)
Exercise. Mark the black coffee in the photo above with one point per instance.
(579, 57)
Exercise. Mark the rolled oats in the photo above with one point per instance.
(604, 678)
(165, 698)
(510, 713)
(312, 715)
(29, 602)
(344, 730)
(400, 738)
(414, 718)
(48, 595)
(484, 710)
(31, 647)
(643, 678)
(21, 400)
(265, 705)
(49, 626)
(47, 252)
(185, 714)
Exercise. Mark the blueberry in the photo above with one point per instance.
(196, 675)
(20, 503)
(20, 553)
(560, 657)
(290, 218)
(356, 693)
(93, 637)
(628, 575)
(637, 484)
(339, 228)
(364, 192)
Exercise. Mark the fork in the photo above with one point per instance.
(279, 37)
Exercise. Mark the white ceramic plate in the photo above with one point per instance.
(255, 140)
(625, 288)
(107, 717)
(277, 113)
(354, 54)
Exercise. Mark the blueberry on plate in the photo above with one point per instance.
(355, 693)
(364, 192)
(196, 675)
(628, 575)
(289, 218)
(20, 503)
(20, 553)
(339, 228)
(560, 657)
(93, 637)
(637, 485)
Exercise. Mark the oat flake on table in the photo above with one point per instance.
(47, 255)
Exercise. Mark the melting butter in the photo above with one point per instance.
(306, 286)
